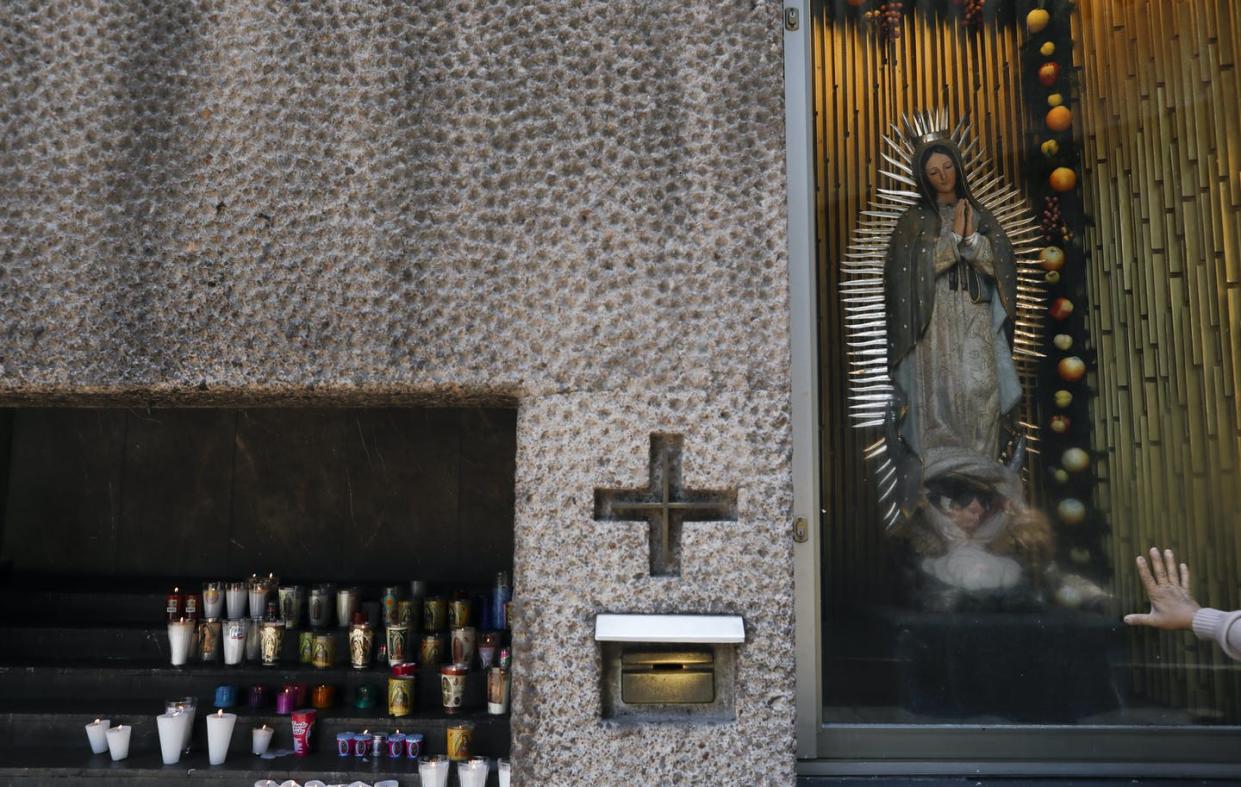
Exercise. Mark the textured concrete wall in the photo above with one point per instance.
(577, 205)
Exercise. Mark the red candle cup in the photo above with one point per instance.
(174, 606)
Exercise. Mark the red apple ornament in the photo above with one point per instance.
(1071, 369)
(1048, 73)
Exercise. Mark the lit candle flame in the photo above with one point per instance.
(96, 721)
(220, 712)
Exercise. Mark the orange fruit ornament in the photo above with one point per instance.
(1059, 118)
(1062, 179)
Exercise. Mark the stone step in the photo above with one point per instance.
(158, 681)
(61, 725)
(30, 604)
(38, 767)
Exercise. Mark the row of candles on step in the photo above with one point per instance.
(176, 724)
(449, 633)
(401, 692)
(255, 594)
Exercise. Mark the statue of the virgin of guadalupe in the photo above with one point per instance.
(954, 302)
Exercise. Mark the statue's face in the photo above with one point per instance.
(941, 174)
(967, 517)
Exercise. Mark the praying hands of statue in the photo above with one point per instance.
(961, 217)
(1172, 605)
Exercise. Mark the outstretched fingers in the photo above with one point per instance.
(1185, 577)
(1169, 562)
(1161, 574)
(1144, 573)
(1138, 619)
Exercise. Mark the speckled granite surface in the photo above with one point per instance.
(577, 207)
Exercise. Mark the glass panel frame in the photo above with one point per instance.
(887, 749)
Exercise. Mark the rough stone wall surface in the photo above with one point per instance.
(570, 443)
(579, 206)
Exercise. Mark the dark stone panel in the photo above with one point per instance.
(348, 495)
(64, 494)
(6, 444)
(355, 495)
(178, 479)
(488, 467)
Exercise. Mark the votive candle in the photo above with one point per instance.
(473, 772)
(213, 599)
(219, 734)
(171, 735)
(235, 599)
(258, 597)
(261, 739)
(180, 632)
(346, 605)
(234, 641)
(118, 742)
(97, 734)
(504, 771)
(433, 771)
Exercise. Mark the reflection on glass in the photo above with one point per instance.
(982, 528)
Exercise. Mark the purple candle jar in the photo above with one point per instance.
(258, 697)
(344, 744)
(413, 745)
(396, 746)
(361, 744)
(286, 701)
(300, 692)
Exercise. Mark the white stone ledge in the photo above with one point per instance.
(692, 629)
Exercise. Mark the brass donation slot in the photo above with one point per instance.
(667, 677)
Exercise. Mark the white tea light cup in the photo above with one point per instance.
(97, 734)
(118, 742)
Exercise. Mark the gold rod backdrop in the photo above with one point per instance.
(1161, 146)
(862, 86)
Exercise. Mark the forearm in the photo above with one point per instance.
(946, 253)
(1223, 627)
(976, 249)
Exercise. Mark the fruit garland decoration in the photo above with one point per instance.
(1051, 172)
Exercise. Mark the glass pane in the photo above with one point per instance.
(1030, 290)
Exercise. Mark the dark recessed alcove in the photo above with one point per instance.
(339, 494)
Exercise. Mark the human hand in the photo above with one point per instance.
(1172, 606)
(969, 219)
(959, 216)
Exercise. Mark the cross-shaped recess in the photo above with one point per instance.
(665, 504)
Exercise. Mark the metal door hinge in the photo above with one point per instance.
(801, 530)
(792, 19)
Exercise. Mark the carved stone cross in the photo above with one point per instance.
(664, 504)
